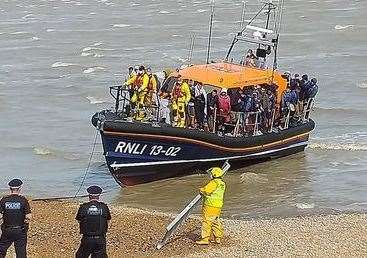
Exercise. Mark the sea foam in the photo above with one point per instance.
(61, 64)
(93, 69)
(343, 27)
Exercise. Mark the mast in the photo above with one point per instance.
(210, 32)
(191, 49)
(266, 38)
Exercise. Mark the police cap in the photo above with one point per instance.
(15, 183)
(94, 190)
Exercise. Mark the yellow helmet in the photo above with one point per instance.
(216, 172)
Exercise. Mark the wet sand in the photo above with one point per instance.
(134, 233)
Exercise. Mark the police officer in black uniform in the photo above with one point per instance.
(93, 218)
(16, 214)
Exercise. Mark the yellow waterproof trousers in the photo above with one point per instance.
(140, 115)
(179, 111)
(211, 223)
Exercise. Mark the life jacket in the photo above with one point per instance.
(177, 93)
(215, 199)
(138, 81)
(151, 83)
(224, 105)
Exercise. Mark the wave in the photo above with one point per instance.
(61, 64)
(42, 151)
(253, 178)
(121, 25)
(362, 85)
(95, 100)
(349, 142)
(86, 49)
(50, 30)
(304, 206)
(343, 27)
(93, 69)
(164, 12)
(201, 11)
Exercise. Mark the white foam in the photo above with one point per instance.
(121, 25)
(97, 44)
(362, 85)
(356, 141)
(338, 146)
(343, 27)
(61, 64)
(201, 11)
(304, 206)
(164, 12)
(86, 54)
(50, 30)
(86, 49)
(93, 69)
(19, 33)
(35, 38)
(94, 100)
(41, 151)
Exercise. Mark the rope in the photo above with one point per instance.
(89, 163)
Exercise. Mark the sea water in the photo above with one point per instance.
(58, 58)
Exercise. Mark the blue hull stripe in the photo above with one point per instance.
(115, 166)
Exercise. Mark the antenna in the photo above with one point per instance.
(210, 31)
(243, 14)
(189, 58)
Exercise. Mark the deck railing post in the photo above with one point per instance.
(272, 121)
(215, 120)
(117, 103)
(255, 125)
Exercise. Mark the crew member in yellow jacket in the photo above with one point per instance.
(213, 194)
(181, 96)
(139, 84)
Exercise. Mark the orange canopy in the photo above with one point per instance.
(226, 75)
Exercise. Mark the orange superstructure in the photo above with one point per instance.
(226, 75)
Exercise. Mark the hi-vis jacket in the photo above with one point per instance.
(214, 193)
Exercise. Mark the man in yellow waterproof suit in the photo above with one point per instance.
(152, 88)
(181, 96)
(139, 83)
(213, 194)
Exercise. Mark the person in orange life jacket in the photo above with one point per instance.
(181, 96)
(93, 218)
(16, 215)
(223, 109)
(152, 88)
(213, 194)
(200, 102)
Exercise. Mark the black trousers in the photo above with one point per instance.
(94, 246)
(18, 236)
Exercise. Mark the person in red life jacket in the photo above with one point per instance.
(223, 109)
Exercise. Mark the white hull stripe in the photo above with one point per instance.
(166, 162)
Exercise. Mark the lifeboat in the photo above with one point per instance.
(151, 149)
(140, 152)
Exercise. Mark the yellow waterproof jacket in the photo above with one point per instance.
(131, 80)
(186, 93)
(145, 83)
(152, 86)
(214, 193)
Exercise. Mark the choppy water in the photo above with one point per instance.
(57, 59)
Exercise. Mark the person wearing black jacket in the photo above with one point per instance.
(93, 218)
(16, 214)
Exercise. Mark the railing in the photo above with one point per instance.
(131, 109)
(240, 123)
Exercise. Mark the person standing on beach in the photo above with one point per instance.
(16, 215)
(213, 194)
(93, 218)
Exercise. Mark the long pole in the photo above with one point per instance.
(243, 14)
(210, 33)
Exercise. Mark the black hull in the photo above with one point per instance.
(138, 153)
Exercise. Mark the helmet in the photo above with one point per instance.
(216, 172)
(314, 80)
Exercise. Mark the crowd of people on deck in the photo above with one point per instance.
(188, 104)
